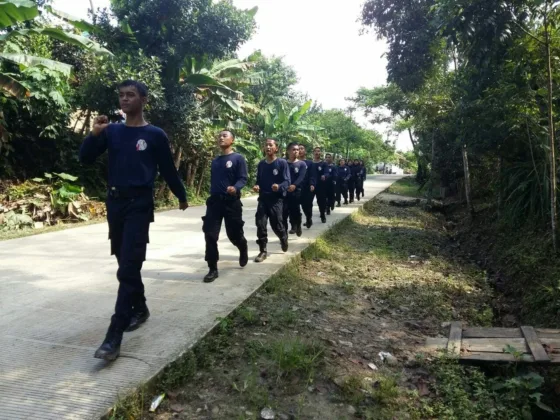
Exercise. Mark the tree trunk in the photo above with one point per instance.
(432, 170)
(191, 172)
(201, 178)
(86, 123)
(467, 180)
(553, 214)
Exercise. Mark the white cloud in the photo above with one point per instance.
(319, 38)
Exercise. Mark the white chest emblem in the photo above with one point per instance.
(330, 169)
(275, 172)
(229, 164)
(141, 145)
(296, 170)
(320, 168)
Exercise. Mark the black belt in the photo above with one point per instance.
(129, 192)
(225, 197)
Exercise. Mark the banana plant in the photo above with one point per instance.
(285, 126)
(13, 12)
(218, 83)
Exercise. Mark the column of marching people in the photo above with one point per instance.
(137, 151)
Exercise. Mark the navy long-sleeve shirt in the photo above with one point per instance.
(135, 155)
(321, 170)
(333, 173)
(298, 171)
(228, 171)
(356, 171)
(363, 173)
(276, 172)
(344, 173)
(310, 174)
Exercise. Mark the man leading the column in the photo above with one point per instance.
(136, 151)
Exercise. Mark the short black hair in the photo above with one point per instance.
(328, 154)
(292, 144)
(140, 87)
(228, 131)
(274, 140)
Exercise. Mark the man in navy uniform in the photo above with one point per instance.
(308, 187)
(136, 151)
(363, 175)
(352, 180)
(322, 178)
(292, 203)
(358, 181)
(228, 176)
(331, 182)
(273, 180)
(344, 175)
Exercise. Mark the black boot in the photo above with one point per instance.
(309, 223)
(323, 219)
(328, 211)
(292, 231)
(212, 273)
(298, 229)
(243, 255)
(345, 202)
(138, 318)
(111, 347)
(262, 254)
(284, 244)
(338, 204)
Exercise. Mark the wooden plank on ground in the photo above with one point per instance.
(495, 345)
(492, 333)
(496, 357)
(537, 350)
(455, 334)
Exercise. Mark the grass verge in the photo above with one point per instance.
(308, 344)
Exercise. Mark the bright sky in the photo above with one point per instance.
(319, 38)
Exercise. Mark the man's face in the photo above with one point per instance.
(294, 152)
(356, 162)
(317, 154)
(270, 147)
(328, 158)
(301, 152)
(225, 139)
(130, 100)
(342, 162)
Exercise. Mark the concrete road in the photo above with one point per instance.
(57, 293)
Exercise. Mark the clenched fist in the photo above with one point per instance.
(99, 124)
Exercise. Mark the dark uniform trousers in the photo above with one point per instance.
(229, 209)
(270, 206)
(292, 209)
(331, 194)
(307, 202)
(359, 187)
(321, 194)
(351, 188)
(342, 191)
(129, 214)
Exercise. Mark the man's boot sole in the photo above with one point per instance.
(210, 279)
(109, 357)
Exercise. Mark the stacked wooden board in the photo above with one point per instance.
(524, 344)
